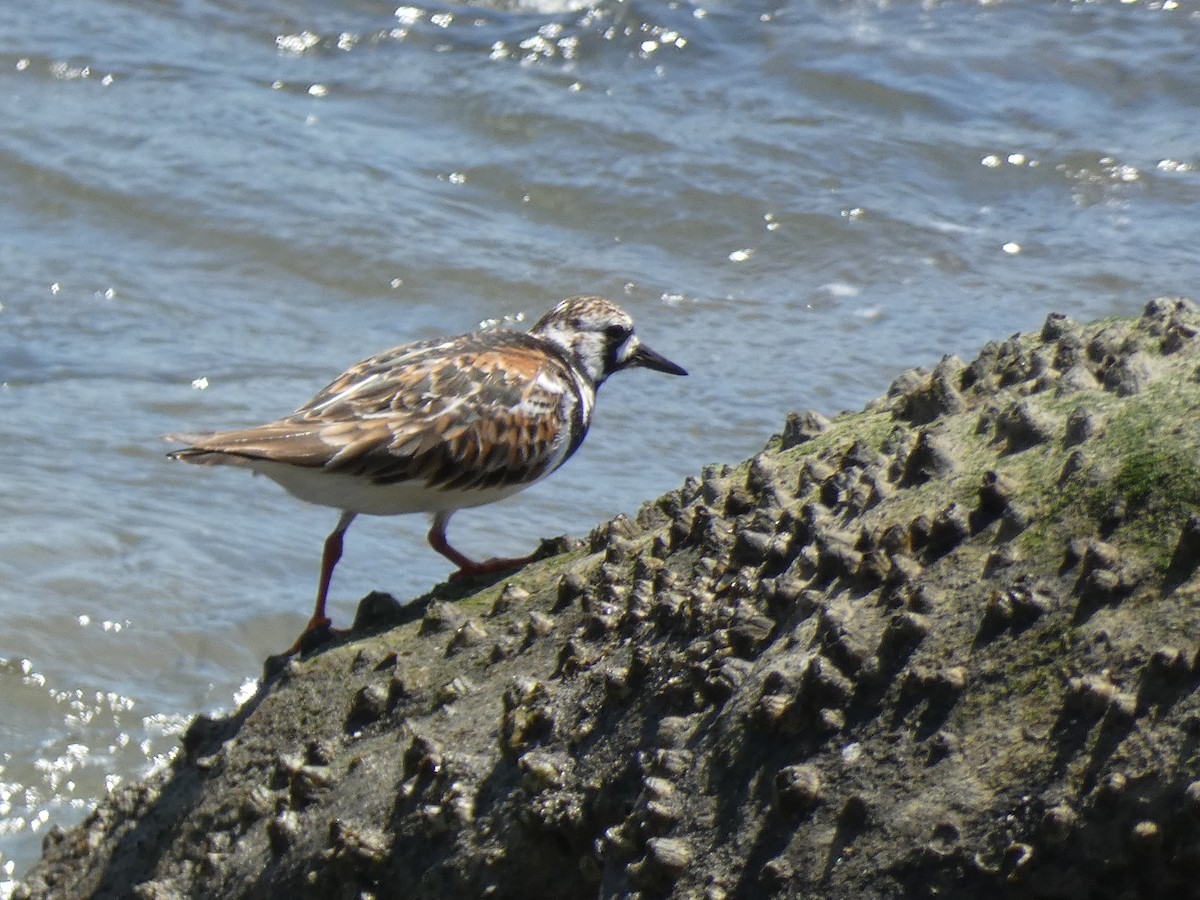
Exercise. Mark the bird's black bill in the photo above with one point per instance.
(646, 358)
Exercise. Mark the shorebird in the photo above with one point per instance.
(440, 425)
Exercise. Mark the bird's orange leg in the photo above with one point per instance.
(467, 567)
(329, 559)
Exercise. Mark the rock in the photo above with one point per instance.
(943, 645)
(799, 428)
(369, 704)
(1128, 376)
(1024, 425)
(931, 457)
(1081, 426)
(937, 396)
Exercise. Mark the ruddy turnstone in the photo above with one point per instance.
(441, 425)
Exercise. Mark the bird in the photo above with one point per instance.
(439, 425)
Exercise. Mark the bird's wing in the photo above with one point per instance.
(465, 413)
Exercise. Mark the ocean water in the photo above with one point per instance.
(209, 209)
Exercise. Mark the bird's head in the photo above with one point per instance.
(597, 335)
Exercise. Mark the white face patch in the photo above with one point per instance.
(627, 349)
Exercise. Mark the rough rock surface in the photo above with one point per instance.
(946, 646)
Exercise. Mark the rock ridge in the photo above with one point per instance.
(945, 646)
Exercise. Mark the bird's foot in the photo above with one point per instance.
(317, 632)
(489, 567)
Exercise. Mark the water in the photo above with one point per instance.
(208, 209)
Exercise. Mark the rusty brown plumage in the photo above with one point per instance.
(440, 425)
(486, 410)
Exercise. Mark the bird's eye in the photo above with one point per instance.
(616, 332)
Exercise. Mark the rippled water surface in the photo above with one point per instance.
(208, 209)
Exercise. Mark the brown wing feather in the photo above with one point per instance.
(479, 411)
(475, 419)
(283, 441)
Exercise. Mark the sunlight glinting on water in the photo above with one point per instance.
(208, 211)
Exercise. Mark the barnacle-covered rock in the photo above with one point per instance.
(946, 644)
(936, 396)
(510, 596)
(797, 788)
(441, 617)
(931, 457)
(1058, 823)
(949, 528)
(799, 428)
(1022, 426)
(1128, 375)
(1093, 695)
(1082, 425)
(369, 704)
